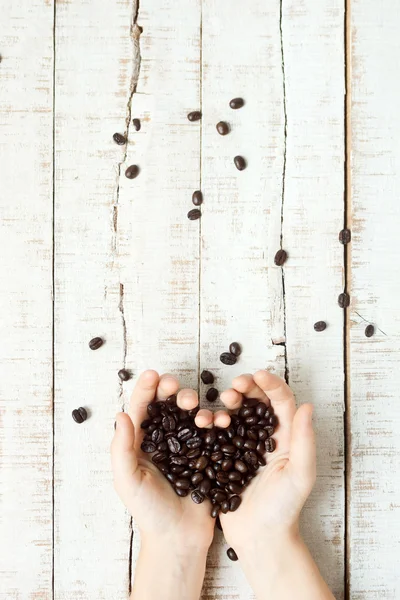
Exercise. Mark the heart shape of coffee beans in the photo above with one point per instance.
(213, 463)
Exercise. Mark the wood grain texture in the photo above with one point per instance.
(374, 509)
(26, 154)
(95, 59)
(312, 218)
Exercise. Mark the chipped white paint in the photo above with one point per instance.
(26, 154)
(374, 509)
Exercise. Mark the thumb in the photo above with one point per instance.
(302, 456)
(123, 457)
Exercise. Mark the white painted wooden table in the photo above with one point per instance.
(85, 252)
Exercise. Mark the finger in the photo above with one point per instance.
(222, 419)
(124, 461)
(143, 393)
(204, 418)
(302, 449)
(187, 399)
(246, 385)
(167, 386)
(232, 399)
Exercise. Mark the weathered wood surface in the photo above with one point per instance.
(26, 207)
(374, 444)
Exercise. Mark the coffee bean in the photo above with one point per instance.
(261, 449)
(187, 473)
(227, 464)
(171, 400)
(210, 436)
(194, 115)
(261, 409)
(212, 394)
(235, 349)
(182, 483)
(215, 511)
(197, 199)
(193, 412)
(222, 128)
(191, 464)
(196, 478)
(241, 430)
(181, 492)
(222, 477)
(157, 436)
(96, 343)
(219, 496)
(174, 445)
(194, 442)
(79, 415)
(232, 554)
(250, 402)
(178, 469)
(222, 437)
(205, 487)
(145, 424)
(280, 257)
(235, 488)
(225, 507)
(119, 139)
(207, 377)
(369, 330)
(197, 497)
(270, 445)
(261, 460)
(252, 434)
(159, 457)
(168, 423)
(238, 441)
(246, 411)
(273, 421)
(171, 477)
(344, 300)
(136, 123)
(250, 457)
(201, 463)
(234, 476)
(228, 449)
(345, 236)
(194, 214)
(240, 163)
(234, 503)
(209, 471)
(236, 103)
(195, 453)
(228, 358)
(148, 447)
(124, 375)
(185, 434)
(216, 456)
(132, 172)
(240, 466)
(251, 420)
(250, 444)
(180, 461)
(270, 430)
(320, 326)
(153, 410)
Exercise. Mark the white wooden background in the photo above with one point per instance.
(121, 260)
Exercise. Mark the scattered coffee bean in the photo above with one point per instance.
(235, 349)
(194, 214)
(280, 257)
(119, 139)
(124, 375)
(194, 115)
(236, 103)
(240, 163)
(369, 330)
(137, 124)
(320, 326)
(132, 172)
(345, 236)
(79, 415)
(227, 358)
(232, 554)
(96, 343)
(207, 377)
(212, 394)
(222, 128)
(197, 198)
(344, 300)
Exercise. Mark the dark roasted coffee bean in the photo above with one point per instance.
(207, 377)
(204, 487)
(185, 434)
(251, 420)
(157, 436)
(182, 483)
(236, 103)
(210, 436)
(369, 330)
(124, 375)
(79, 415)
(187, 473)
(148, 446)
(252, 434)
(183, 451)
(145, 424)
(320, 326)
(344, 300)
(234, 476)
(240, 163)
(169, 423)
(264, 422)
(241, 430)
(270, 445)
(157, 420)
(222, 437)
(180, 461)
(280, 257)
(191, 463)
(152, 428)
(228, 449)
(194, 442)
(174, 446)
(215, 456)
(132, 172)
(246, 411)
(96, 343)
(235, 488)
(212, 394)
(261, 460)
(119, 139)
(197, 198)
(225, 507)
(250, 402)
(235, 349)
(178, 469)
(261, 449)
(171, 477)
(240, 466)
(195, 453)
(262, 434)
(227, 464)
(153, 410)
(201, 463)
(270, 430)
(222, 128)
(219, 496)
(261, 409)
(250, 444)
(345, 236)
(215, 511)
(159, 457)
(194, 214)
(197, 497)
(193, 412)
(181, 492)
(222, 477)
(196, 478)
(250, 457)
(216, 466)
(136, 123)
(209, 471)
(194, 115)
(171, 400)
(230, 432)
(228, 358)
(206, 453)
(234, 503)
(216, 447)
(273, 421)
(163, 467)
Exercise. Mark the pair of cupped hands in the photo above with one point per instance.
(271, 504)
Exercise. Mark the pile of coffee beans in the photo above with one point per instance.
(216, 464)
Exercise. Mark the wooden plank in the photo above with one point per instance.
(374, 508)
(96, 60)
(26, 446)
(256, 52)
